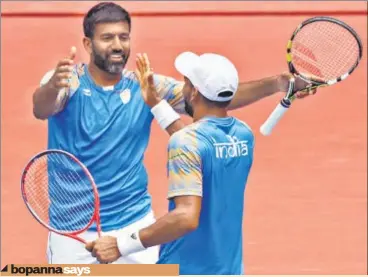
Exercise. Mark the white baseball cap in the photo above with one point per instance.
(210, 73)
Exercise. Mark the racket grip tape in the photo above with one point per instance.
(275, 116)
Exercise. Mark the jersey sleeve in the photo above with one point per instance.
(64, 94)
(184, 165)
(170, 90)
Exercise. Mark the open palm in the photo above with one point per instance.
(145, 77)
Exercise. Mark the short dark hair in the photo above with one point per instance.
(217, 104)
(105, 12)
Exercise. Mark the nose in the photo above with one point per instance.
(116, 44)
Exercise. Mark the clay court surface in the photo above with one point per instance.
(306, 199)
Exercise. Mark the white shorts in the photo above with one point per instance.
(65, 250)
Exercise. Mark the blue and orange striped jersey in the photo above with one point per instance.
(212, 159)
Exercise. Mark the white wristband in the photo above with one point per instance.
(129, 243)
(164, 114)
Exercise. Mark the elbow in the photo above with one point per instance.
(188, 212)
(37, 110)
(38, 115)
(192, 226)
(190, 223)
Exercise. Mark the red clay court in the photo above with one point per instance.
(306, 199)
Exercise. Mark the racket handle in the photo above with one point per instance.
(275, 116)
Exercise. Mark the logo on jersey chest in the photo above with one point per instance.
(125, 96)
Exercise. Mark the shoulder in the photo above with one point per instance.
(246, 130)
(185, 147)
(244, 125)
(167, 87)
(188, 137)
(165, 80)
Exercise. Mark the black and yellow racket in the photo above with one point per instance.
(322, 51)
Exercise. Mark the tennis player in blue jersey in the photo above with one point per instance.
(96, 112)
(208, 167)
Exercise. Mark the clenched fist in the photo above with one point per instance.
(63, 72)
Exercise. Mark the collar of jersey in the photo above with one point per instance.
(113, 88)
(223, 120)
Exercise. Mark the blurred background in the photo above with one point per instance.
(306, 198)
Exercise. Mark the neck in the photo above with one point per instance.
(201, 112)
(102, 78)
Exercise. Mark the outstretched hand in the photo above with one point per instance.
(145, 77)
(63, 71)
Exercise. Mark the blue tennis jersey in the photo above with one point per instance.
(212, 159)
(108, 128)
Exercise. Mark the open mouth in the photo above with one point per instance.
(116, 58)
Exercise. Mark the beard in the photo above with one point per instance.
(188, 108)
(105, 64)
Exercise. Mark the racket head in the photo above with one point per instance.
(323, 51)
(56, 189)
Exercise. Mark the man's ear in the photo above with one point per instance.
(195, 95)
(87, 43)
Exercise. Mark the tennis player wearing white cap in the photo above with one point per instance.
(208, 166)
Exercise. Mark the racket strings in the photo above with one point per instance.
(42, 189)
(44, 177)
(43, 202)
(330, 45)
(325, 67)
(60, 193)
(64, 178)
(61, 201)
(78, 197)
(324, 50)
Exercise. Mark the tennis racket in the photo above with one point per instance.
(321, 51)
(61, 194)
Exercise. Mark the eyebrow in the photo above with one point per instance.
(114, 34)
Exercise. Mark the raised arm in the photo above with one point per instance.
(51, 95)
(162, 94)
(250, 92)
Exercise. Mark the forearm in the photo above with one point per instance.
(175, 126)
(44, 99)
(250, 92)
(168, 228)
